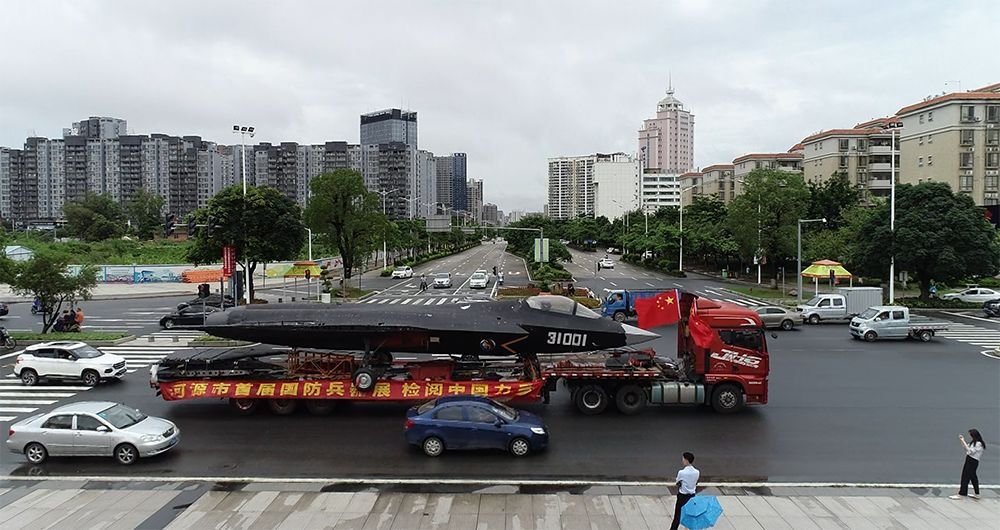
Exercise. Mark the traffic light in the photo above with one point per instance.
(211, 226)
(192, 227)
(168, 225)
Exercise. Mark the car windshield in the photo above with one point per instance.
(478, 276)
(505, 412)
(813, 301)
(427, 406)
(442, 276)
(868, 313)
(402, 269)
(121, 416)
(87, 352)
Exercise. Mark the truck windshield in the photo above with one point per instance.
(868, 314)
(813, 301)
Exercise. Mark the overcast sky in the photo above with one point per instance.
(509, 82)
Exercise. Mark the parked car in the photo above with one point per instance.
(214, 300)
(402, 272)
(470, 422)
(4, 310)
(647, 254)
(974, 295)
(92, 428)
(777, 317)
(192, 315)
(992, 308)
(67, 360)
(606, 263)
(479, 280)
(442, 279)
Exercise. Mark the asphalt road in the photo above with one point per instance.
(136, 316)
(839, 410)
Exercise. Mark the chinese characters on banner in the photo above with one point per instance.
(344, 389)
(228, 260)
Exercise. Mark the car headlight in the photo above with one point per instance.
(538, 430)
(149, 438)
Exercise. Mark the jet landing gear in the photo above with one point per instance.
(373, 366)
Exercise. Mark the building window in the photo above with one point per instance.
(920, 140)
(843, 144)
(920, 161)
(921, 118)
(930, 116)
(862, 144)
(990, 183)
(862, 161)
(843, 162)
(965, 160)
(968, 113)
(930, 160)
(966, 136)
(993, 160)
(993, 113)
(965, 183)
(992, 136)
(930, 138)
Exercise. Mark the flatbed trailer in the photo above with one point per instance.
(318, 381)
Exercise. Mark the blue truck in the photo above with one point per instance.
(619, 304)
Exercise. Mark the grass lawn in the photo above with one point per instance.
(352, 292)
(80, 336)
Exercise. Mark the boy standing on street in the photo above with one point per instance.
(687, 482)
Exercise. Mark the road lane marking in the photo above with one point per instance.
(649, 284)
(613, 284)
(678, 285)
(969, 316)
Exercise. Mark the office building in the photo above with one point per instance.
(616, 186)
(491, 215)
(389, 126)
(452, 181)
(426, 194)
(666, 142)
(954, 138)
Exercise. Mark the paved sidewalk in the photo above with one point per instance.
(176, 506)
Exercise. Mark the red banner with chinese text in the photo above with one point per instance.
(228, 260)
(344, 389)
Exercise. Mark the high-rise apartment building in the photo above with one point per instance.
(475, 199)
(389, 147)
(389, 126)
(426, 195)
(666, 142)
(743, 165)
(954, 138)
(491, 214)
(659, 190)
(571, 186)
(616, 186)
(862, 153)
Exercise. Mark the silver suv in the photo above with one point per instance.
(67, 360)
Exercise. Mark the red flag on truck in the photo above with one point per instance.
(660, 310)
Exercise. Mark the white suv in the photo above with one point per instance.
(67, 360)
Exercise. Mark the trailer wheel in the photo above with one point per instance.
(814, 319)
(282, 407)
(320, 407)
(591, 400)
(925, 335)
(364, 379)
(727, 398)
(870, 336)
(619, 316)
(630, 399)
(244, 406)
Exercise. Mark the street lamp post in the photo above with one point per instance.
(680, 230)
(385, 254)
(244, 131)
(798, 270)
(892, 207)
(310, 244)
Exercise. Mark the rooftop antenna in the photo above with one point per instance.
(670, 82)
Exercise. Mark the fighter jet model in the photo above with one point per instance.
(539, 324)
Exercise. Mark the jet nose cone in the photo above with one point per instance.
(219, 318)
(634, 335)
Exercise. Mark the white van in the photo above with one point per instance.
(823, 307)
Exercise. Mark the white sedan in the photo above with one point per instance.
(975, 295)
(479, 280)
(402, 272)
(606, 263)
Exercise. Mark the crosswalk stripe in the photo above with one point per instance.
(31, 402)
(732, 301)
(429, 301)
(7, 418)
(394, 301)
(384, 300)
(16, 381)
(15, 410)
(372, 301)
(36, 394)
(441, 301)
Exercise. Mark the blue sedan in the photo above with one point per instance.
(469, 422)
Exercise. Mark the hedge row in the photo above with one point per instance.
(936, 303)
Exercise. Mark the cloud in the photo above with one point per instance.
(510, 83)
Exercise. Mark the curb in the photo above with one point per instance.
(97, 343)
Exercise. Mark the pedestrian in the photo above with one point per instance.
(570, 290)
(60, 323)
(687, 484)
(973, 452)
(500, 278)
(79, 317)
(423, 283)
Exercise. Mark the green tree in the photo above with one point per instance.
(96, 217)
(831, 198)
(344, 212)
(706, 235)
(264, 226)
(145, 212)
(940, 236)
(768, 212)
(46, 277)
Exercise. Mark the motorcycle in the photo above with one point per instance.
(36, 306)
(6, 340)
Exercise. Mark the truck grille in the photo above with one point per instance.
(119, 365)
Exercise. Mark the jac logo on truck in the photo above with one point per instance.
(737, 358)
